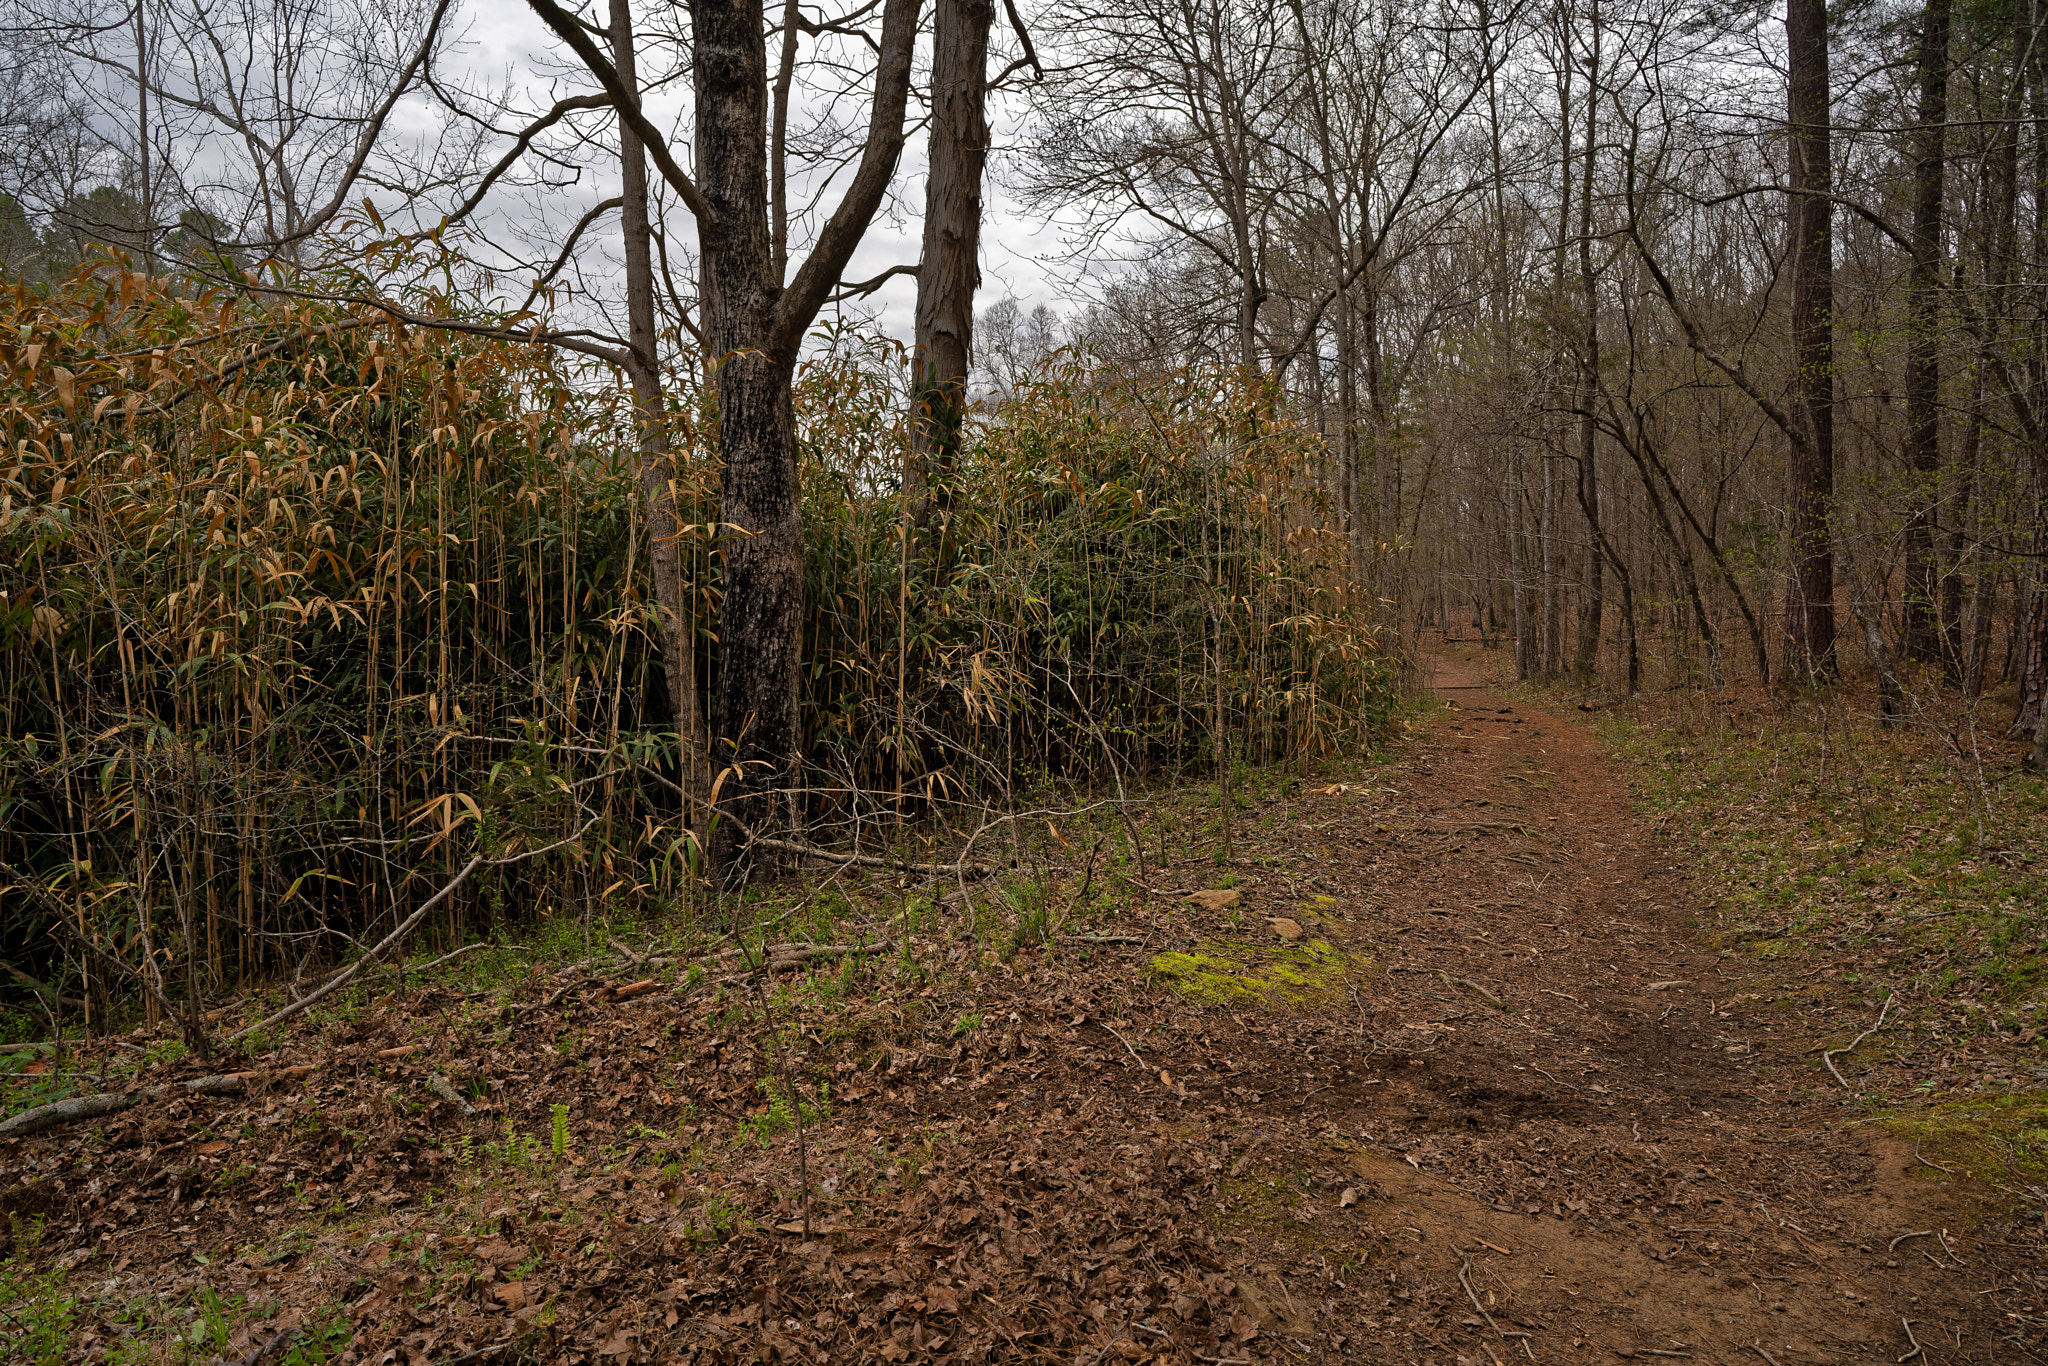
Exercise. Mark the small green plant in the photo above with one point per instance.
(324, 1337)
(559, 1139)
(37, 1313)
(206, 1335)
(514, 1149)
(779, 1118)
(714, 1220)
(967, 1023)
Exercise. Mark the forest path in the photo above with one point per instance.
(1638, 1153)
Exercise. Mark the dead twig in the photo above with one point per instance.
(1923, 1233)
(1465, 1279)
(1125, 1042)
(1945, 1171)
(1762, 1353)
(555, 997)
(1907, 1324)
(466, 948)
(342, 979)
(1828, 1055)
(1468, 984)
(807, 850)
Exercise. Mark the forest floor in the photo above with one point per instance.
(1466, 1074)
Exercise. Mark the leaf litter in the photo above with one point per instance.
(1521, 1135)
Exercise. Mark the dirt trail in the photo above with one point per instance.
(1534, 1119)
(1628, 1159)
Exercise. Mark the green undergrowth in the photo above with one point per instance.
(1860, 863)
(1912, 854)
(1998, 1139)
(44, 1309)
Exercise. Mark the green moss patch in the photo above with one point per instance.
(1234, 973)
(1996, 1138)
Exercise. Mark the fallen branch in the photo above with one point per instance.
(781, 962)
(1828, 1055)
(555, 997)
(439, 1086)
(342, 979)
(113, 1102)
(1464, 1279)
(48, 993)
(1468, 984)
(466, 948)
(807, 850)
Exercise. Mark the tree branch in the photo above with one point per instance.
(627, 102)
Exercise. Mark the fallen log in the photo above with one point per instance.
(113, 1102)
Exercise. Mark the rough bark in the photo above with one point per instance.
(755, 328)
(950, 269)
(1923, 636)
(1810, 463)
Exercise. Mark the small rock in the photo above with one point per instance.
(1287, 929)
(1215, 899)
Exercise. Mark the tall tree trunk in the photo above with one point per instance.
(951, 266)
(1553, 591)
(760, 629)
(657, 466)
(1591, 611)
(1386, 468)
(755, 327)
(1347, 433)
(1923, 354)
(1962, 504)
(1810, 465)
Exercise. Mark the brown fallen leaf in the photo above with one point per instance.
(512, 1294)
(632, 989)
(1165, 1077)
(1348, 1198)
(498, 1252)
(219, 1145)
(1215, 898)
(402, 1051)
(1286, 928)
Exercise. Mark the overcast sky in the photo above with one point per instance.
(1021, 254)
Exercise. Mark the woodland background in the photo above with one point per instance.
(383, 499)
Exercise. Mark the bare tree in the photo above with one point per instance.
(1810, 467)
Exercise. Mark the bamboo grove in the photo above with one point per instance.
(301, 606)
